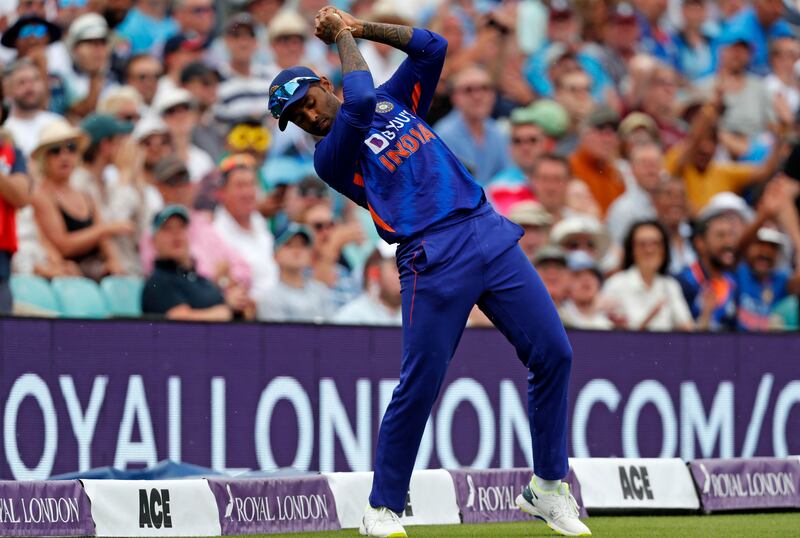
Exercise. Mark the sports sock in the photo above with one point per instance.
(545, 485)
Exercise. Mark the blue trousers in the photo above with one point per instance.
(443, 274)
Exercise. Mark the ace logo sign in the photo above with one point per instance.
(152, 507)
(635, 482)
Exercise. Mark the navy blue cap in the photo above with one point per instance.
(283, 77)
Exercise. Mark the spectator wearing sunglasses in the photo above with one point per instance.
(147, 25)
(240, 44)
(179, 51)
(594, 160)
(202, 82)
(330, 238)
(288, 35)
(142, 72)
(179, 111)
(27, 93)
(214, 259)
(196, 18)
(241, 226)
(88, 74)
(469, 131)
(68, 219)
(122, 102)
(581, 233)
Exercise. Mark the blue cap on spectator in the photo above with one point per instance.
(167, 213)
(287, 88)
(734, 34)
(578, 261)
(35, 26)
(102, 126)
(290, 231)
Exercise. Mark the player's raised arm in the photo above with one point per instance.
(415, 80)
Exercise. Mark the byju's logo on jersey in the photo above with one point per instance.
(383, 107)
(376, 143)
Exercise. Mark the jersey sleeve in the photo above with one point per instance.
(415, 81)
(336, 155)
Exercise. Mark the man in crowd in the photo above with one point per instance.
(27, 92)
(142, 71)
(380, 303)
(241, 226)
(195, 18)
(551, 264)
(582, 310)
(761, 22)
(241, 45)
(672, 210)
(88, 76)
(659, 101)
(535, 221)
(179, 111)
(174, 289)
(147, 25)
(594, 160)
(573, 91)
(469, 131)
(295, 297)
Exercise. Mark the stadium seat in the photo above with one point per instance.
(79, 297)
(34, 293)
(123, 295)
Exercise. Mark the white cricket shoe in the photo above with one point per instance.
(557, 508)
(381, 522)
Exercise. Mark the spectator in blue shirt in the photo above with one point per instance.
(693, 42)
(147, 26)
(654, 39)
(761, 23)
(469, 132)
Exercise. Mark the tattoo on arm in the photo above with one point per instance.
(349, 54)
(391, 34)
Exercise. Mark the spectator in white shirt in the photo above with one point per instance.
(241, 226)
(380, 303)
(784, 53)
(179, 111)
(28, 93)
(643, 295)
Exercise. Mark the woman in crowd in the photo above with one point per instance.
(643, 296)
(67, 218)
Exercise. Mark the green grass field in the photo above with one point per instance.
(727, 526)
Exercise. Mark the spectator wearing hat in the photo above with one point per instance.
(581, 233)
(88, 74)
(573, 93)
(747, 106)
(636, 203)
(175, 289)
(241, 44)
(68, 218)
(694, 160)
(179, 111)
(534, 130)
(142, 72)
(213, 258)
(111, 176)
(380, 302)
(296, 297)
(583, 309)
(288, 33)
(28, 95)
(152, 136)
(551, 264)
(760, 22)
(147, 25)
(15, 192)
(179, 51)
(781, 83)
(708, 285)
(643, 297)
(241, 226)
(69, 10)
(469, 131)
(535, 222)
(327, 261)
(672, 209)
(594, 160)
(123, 103)
(693, 41)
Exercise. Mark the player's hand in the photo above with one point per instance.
(327, 24)
(356, 24)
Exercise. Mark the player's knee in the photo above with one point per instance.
(557, 353)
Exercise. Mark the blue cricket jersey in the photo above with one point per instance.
(382, 154)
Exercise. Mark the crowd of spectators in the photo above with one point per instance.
(650, 151)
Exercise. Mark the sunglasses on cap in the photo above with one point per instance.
(33, 30)
(69, 147)
(281, 95)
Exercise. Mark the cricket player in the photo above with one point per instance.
(454, 251)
